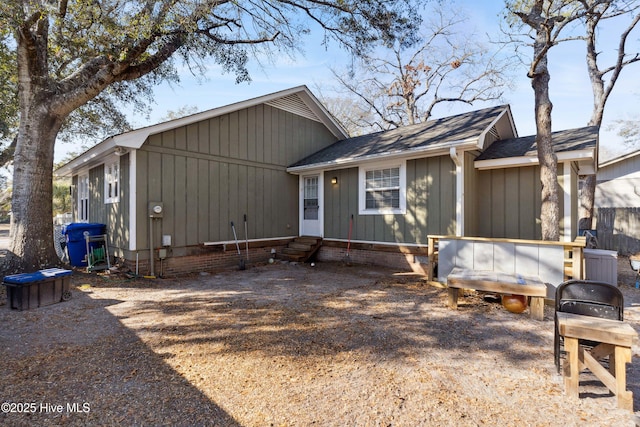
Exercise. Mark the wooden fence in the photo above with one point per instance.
(619, 229)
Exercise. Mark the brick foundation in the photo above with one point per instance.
(405, 259)
(212, 260)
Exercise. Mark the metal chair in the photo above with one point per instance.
(587, 298)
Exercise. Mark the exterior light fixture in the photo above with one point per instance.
(334, 180)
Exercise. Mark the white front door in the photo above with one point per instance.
(311, 205)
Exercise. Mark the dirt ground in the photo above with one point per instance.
(291, 345)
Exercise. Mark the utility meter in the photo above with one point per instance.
(156, 209)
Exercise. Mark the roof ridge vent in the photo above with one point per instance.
(294, 104)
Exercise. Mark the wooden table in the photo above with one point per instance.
(501, 283)
(615, 338)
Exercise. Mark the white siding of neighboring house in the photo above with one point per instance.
(619, 184)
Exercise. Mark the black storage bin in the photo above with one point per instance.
(32, 290)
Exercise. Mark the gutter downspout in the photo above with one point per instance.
(458, 162)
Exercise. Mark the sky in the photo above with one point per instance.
(570, 89)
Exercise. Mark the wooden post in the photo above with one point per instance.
(571, 368)
(537, 308)
(622, 356)
(431, 249)
(577, 268)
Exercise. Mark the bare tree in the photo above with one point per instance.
(346, 111)
(604, 77)
(401, 84)
(628, 130)
(545, 21)
(68, 53)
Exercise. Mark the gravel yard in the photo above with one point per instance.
(291, 345)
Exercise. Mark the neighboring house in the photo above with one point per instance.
(617, 204)
(282, 160)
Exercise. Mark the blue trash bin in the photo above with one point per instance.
(76, 243)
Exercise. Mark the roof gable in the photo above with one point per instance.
(569, 145)
(297, 100)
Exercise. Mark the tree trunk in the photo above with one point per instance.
(32, 225)
(550, 209)
(588, 188)
(587, 198)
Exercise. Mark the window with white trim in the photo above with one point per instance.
(383, 189)
(83, 198)
(111, 182)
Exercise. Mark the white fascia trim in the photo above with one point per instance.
(440, 149)
(133, 195)
(619, 159)
(565, 156)
(88, 159)
(233, 242)
(505, 112)
(377, 243)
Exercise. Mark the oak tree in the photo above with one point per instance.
(68, 52)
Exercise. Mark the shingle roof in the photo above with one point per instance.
(459, 128)
(565, 140)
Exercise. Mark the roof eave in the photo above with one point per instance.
(619, 159)
(92, 156)
(585, 155)
(430, 151)
(135, 138)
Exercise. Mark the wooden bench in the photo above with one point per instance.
(616, 339)
(551, 262)
(501, 283)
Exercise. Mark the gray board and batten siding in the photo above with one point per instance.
(431, 205)
(214, 171)
(508, 203)
(113, 215)
(509, 198)
(430, 175)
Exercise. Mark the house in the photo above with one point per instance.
(202, 172)
(466, 175)
(617, 204)
(285, 163)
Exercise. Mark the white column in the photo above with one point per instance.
(568, 191)
(458, 160)
(133, 195)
